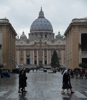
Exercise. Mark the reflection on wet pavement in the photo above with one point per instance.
(41, 86)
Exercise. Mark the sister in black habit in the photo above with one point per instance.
(69, 82)
(65, 82)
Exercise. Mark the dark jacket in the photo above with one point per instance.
(65, 78)
(22, 80)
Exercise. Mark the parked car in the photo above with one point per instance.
(45, 70)
(50, 71)
(5, 73)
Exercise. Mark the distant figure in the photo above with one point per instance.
(33, 69)
(71, 73)
(77, 74)
(81, 74)
(86, 74)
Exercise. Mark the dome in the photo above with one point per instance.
(23, 36)
(41, 24)
(59, 35)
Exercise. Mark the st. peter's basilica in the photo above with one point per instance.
(40, 44)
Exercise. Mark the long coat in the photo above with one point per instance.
(65, 81)
(25, 78)
(22, 81)
(69, 82)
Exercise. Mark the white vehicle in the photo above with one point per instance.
(50, 71)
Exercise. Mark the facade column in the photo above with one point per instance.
(33, 56)
(17, 57)
(24, 56)
(47, 56)
(37, 57)
(43, 57)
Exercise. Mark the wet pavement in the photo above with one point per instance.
(42, 86)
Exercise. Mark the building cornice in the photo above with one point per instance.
(5, 22)
(75, 24)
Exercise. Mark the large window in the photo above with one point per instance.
(45, 36)
(35, 51)
(84, 42)
(28, 61)
(35, 62)
(45, 51)
(84, 60)
(27, 52)
(45, 62)
(52, 52)
(41, 36)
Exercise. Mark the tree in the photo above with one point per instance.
(54, 60)
(83, 65)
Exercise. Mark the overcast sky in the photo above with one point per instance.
(22, 13)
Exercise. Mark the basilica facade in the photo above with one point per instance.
(40, 44)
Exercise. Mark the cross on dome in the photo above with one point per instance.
(41, 14)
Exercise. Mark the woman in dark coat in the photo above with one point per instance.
(22, 81)
(25, 78)
(65, 82)
(69, 82)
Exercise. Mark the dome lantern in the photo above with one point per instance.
(41, 14)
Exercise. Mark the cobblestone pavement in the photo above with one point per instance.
(42, 86)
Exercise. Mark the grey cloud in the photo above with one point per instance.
(60, 13)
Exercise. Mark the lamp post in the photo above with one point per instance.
(0, 46)
(1, 56)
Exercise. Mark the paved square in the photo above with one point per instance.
(42, 86)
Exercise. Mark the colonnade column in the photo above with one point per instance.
(43, 57)
(33, 56)
(17, 57)
(47, 56)
(37, 57)
(24, 56)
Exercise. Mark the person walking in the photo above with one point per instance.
(25, 78)
(71, 73)
(81, 74)
(86, 74)
(69, 82)
(20, 80)
(77, 74)
(65, 82)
